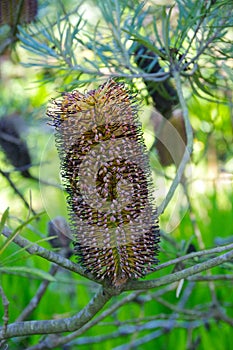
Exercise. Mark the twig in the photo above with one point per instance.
(5, 304)
(207, 42)
(35, 249)
(79, 320)
(220, 315)
(200, 278)
(51, 342)
(176, 276)
(179, 310)
(166, 327)
(37, 297)
(188, 150)
(194, 255)
(130, 330)
(192, 216)
(11, 183)
(198, 235)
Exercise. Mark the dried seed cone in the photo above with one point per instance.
(15, 149)
(163, 94)
(13, 12)
(106, 172)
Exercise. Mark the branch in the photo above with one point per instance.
(176, 276)
(51, 342)
(35, 249)
(5, 304)
(162, 328)
(12, 185)
(69, 324)
(189, 147)
(211, 278)
(193, 255)
(164, 325)
(76, 322)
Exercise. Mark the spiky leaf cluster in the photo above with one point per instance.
(191, 37)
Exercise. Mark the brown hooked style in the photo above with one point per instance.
(105, 168)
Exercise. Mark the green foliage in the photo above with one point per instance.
(195, 40)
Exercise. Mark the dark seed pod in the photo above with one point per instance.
(106, 173)
(171, 139)
(13, 146)
(163, 94)
(13, 12)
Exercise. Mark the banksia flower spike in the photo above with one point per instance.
(106, 173)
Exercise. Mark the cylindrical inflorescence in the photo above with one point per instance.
(106, 172)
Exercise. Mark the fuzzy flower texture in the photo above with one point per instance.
(106, 172)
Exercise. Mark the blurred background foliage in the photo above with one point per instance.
(64, 45)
